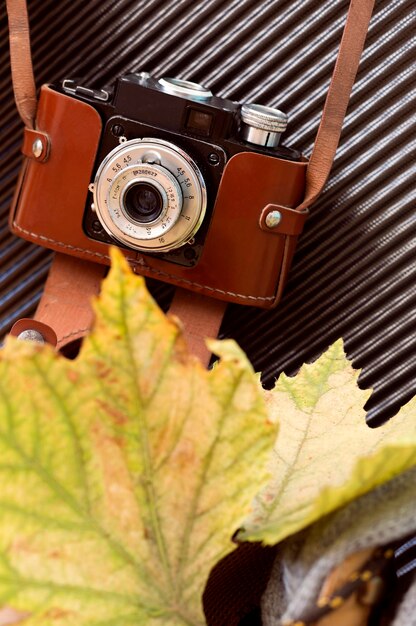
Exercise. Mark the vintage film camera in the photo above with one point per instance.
(183, 181)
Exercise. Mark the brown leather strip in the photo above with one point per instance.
(291, 221)
(21, 61)
(346, 67)
(35, 144)
(200, 319)
(65, 305)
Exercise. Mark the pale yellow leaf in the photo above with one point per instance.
(325, 454)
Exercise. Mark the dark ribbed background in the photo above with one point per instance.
(354, 273)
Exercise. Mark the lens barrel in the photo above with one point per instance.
(143, 203)
(150, 204)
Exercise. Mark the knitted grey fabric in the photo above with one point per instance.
(304, 560)
(406, 613)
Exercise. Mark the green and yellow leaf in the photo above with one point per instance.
(123, 473)
(326, 455)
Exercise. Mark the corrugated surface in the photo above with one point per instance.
(353, 274)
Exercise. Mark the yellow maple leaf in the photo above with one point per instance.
(325, 455)
(125, 472)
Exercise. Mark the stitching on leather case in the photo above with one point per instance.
(75, 332)
(59, 243)
(150, 269)
(229, 293)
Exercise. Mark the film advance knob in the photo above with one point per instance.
(262, 125)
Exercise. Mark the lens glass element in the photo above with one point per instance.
(143, 202)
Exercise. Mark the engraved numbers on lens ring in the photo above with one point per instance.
(163, 180)
(184, 194)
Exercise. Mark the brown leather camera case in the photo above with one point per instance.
(243, 260)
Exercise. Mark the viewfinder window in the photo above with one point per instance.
(199, 122)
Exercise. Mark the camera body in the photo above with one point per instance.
(182, 181)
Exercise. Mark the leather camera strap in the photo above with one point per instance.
(21, 61)
(200, 317)
(336, 103)
(204, 316)
(64, 314)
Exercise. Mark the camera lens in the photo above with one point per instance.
(143, 202)
(156, 202)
